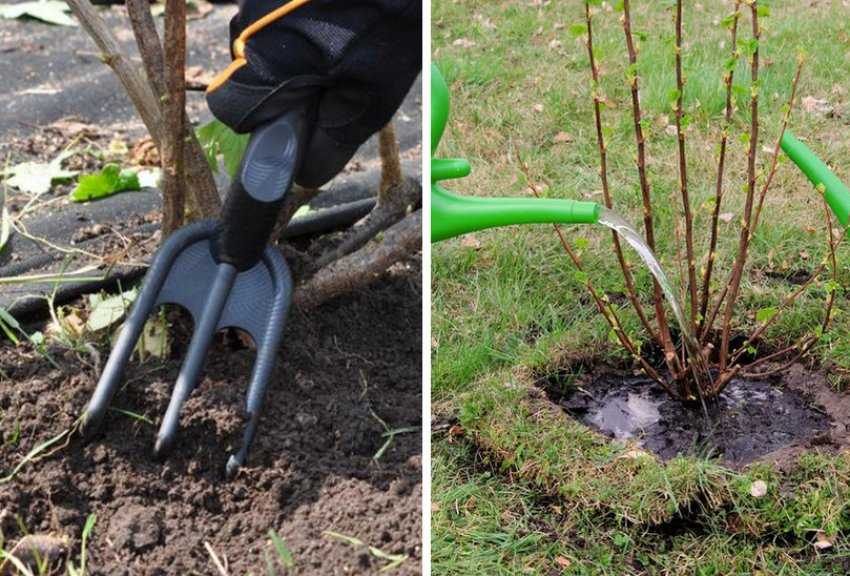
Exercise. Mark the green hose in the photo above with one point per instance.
(836, 193)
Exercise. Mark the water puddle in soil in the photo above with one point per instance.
(748, 420)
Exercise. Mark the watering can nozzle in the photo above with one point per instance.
(453, 215)
(835, 192)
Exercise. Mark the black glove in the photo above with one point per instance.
(349, 63)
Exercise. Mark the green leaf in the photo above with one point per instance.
(5, 227)
(582, 243)
(106, 311)
(579, 29)
(765, 314)
(111, 180)
(673, 95)
(763, 11)
(8, 324)
(218, 140)
(38, 177)
(729, 20)
(283, 552)
(50, 11)
(581, 276)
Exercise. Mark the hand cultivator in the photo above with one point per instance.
(226, 276)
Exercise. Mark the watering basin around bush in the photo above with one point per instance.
(750, 418)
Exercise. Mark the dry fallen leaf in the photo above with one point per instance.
(562, 137)
(563, 562)
(726, 216)
(144, 153)
(633, 455)
(555, 45)
(470, 241)
(537, 107)
(758, 489)
(814, 105)
(72, 128)
(822, 541)
(463, 43)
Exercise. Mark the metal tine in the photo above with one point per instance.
(193, 363)
(114, 370)
(267, 348)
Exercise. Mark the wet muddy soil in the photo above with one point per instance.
(347, 372)
(750, 420)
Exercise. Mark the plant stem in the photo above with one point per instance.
(683, 171)
(174, 108)
(718, 192)
(664, 331)
(603, 175)
(744, 242)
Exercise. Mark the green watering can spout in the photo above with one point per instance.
(453, 215)
(836, 193)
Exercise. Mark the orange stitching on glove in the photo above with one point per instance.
(239, 44)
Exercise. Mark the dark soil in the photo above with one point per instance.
(342, 367)
(749, 420)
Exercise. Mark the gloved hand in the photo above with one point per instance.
(349, 63)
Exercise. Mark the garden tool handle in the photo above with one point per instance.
(265, 176)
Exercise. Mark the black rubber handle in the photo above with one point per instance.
(271, 161)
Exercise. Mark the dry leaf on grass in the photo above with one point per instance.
(822, 541)
(818, 106)
(758, 489)
(463, 43)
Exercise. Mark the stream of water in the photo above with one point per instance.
(634, 239)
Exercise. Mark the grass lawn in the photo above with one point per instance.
(525, 489)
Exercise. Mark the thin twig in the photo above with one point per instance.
(744, 241)
(718, 192)
(391, 174)
(147, 40)
(664, 331)
(631, 293)
(683, 171)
